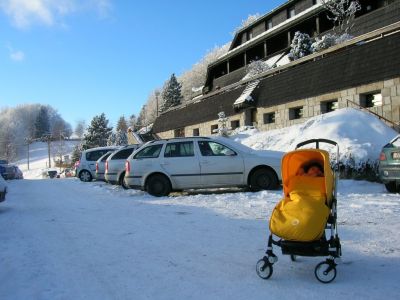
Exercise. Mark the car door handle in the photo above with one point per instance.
(205, 162)
(164, 163)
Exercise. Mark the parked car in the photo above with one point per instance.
(50, 173)
(3, 189)
(67, 172)
(86, 167)
(115, 165)
(389, 165)
(101, 166)
(18, 173)
(160, 167)
(6, 170)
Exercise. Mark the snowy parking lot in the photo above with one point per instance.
(64, 239)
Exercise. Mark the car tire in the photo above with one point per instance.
(391, 187)
(263, 179)
(122, 182)
(158, 185)
(85, 176)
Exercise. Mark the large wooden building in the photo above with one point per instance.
(363, 72)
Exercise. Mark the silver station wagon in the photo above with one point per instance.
(162, 166)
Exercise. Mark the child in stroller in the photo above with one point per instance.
(308, 208)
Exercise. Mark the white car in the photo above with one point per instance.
(86, 168)
(115, 165)
(101, 166)
(160, 167)
(3, 189)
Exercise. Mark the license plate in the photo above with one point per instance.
(396, 155)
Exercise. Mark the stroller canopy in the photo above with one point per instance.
(294, 160)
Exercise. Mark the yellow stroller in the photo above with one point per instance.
(300, 220)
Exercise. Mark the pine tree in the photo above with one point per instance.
(76, 153)
(301, 46)
(42, 123)
(97, 133)
(171, 94)
(122, 125)
(121, 138)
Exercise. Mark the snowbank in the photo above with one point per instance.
(359, 135)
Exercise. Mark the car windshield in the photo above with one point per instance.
(3, 162)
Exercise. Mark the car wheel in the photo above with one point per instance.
(158, 185)
(122, 181)
(263, 179)
(391, 187)
(85, 176)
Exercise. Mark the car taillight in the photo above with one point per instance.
(77, 163)
(106, 166)
(97, 166)
(127, 167)
(382, 156)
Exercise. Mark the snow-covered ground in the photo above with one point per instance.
(65, 239)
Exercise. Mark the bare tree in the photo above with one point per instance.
(80, 128)
(342, 13)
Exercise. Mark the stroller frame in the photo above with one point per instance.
(325, 271)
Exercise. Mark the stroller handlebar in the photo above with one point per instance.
(316, 141)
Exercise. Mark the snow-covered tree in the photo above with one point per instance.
(223, 129)
(171, 94)
(97, 133)
(301, 45)
(121, 138)
(80, 128)
(122, 124)
(342, 13)
(250, 19)
(326, 41)
(255, 68)
(111, 139)
(42, 124)
(193, 80)
(76, 153)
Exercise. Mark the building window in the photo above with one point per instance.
(196, 132)
(249, 35)
(180, 132)
(314, 2)
(328, 106)
(269, 118)
(295, 113)
(269, 24)
(291, 12)
(214, 128)
(371, 100)
(235, 124)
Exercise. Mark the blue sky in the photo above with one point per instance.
(85, 57)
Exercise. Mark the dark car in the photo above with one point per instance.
(389, 165)
(3, 189)
(6, 170)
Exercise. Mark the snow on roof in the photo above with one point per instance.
(246, 94)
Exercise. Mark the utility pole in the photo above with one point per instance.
(47, 138)
(28, 142)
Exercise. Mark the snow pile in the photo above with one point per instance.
(360, 135)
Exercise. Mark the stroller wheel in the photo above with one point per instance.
(325, 271)
(293, 257)
(264, 268)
